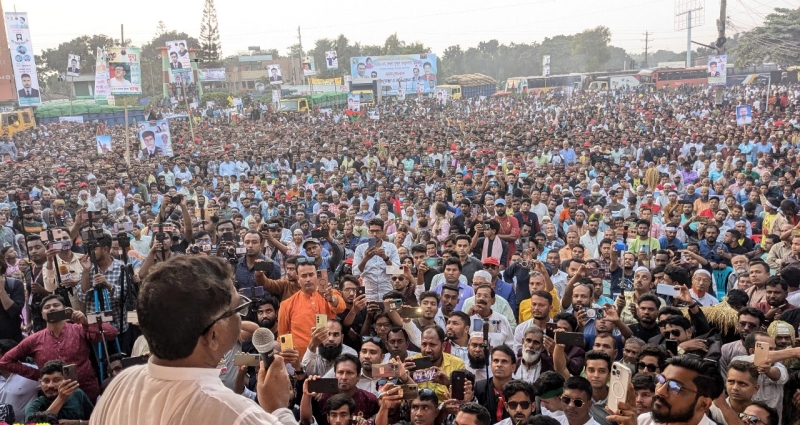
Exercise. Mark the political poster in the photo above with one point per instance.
(331, 60)
(103, 144)
(154, 138)
(717, 65)
(354, 102)
(409, 72)
(276, 96)
(401, 94)
(179, 61)
(275, 76)
(546, 65)
(73, 65)
(309, 68)
(185, 77)
(22, 59)
(441, 96)
(72, 118)
(124, 70)
(211, 74)
(325, 81)
(101, 89)
(744, 115)
(346, 85)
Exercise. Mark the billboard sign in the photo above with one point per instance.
(101, 89)
(331, 60)
(211, 74)
(275, 76)
(22, 59)
(179, 60)
(73, 65)
(717, 68)
(124, 70)
(409, 72)
(546, 65)
(255, 58)
(309, 67)
(154, 138)
(354, 102)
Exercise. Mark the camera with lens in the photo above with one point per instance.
(524, 263)
(161, 236)
(196, 249)
(595, 273)
(176, 199)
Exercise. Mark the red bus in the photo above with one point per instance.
(673, 77)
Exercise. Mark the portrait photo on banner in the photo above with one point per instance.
(155, 138)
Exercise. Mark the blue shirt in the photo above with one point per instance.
(505, 290)
(464, 291)
(568, 155)
(665, 243)
(246, 277)
(710, 252)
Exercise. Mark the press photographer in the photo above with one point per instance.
(105, 273)
(253, 260)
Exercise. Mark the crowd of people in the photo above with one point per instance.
(503, 260)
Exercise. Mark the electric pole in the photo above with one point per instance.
(299, 43)
(720, 44)
(646, 45)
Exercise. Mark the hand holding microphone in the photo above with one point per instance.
(273, 385)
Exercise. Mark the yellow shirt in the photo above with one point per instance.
(525, 307)
(449, 364)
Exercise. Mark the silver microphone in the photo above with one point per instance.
(263, 341)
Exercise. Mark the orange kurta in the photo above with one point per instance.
(297, 316)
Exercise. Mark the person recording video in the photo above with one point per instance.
(104, 276)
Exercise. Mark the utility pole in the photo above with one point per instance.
(646, 45)
(720, 44)
(300, 43)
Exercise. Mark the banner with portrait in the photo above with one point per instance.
(179, 60)
(101, 89)
(185, 77)
(211, 74)
(103, 144)
(275, 76)
(73, 65)
(276, 96)
(744, 115)
(124, 70)
(155, 138)
(397, 71)
(22, 59)
(354, 102)
(546, 65)
(717, 69)
(332, 60)
(441, 96)
(309, 67)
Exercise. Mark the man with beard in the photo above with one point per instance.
(266, 312)
(67, 261)
(642, 285)
(777, 289)
(476, 357)
(429, 301)
(519, 402)
(749, 320)
(577, 399)
(630, 352)
(353, 317)
(489, 392)
(643, 239)
(644, 387)
(349, 373)
(449, 300)
(531, 363)
(684, 393)
(325, 346)
(431, 344)
(509, 228)
(678, 328)
(457, 331)
(741, 385)
(60, 396)
(38, 256)
(647, 309)
(540, 303)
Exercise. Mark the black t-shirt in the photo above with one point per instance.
(643, 333)
(792, 317)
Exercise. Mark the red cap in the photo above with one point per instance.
(61, 184)
(349, 261)
(84, 184)
(491, 261)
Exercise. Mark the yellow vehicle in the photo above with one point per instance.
(15, 121)
(453, 91)
(306, 102)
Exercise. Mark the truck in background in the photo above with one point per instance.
(468, 86)
(368, 89)
(307, 102)
(15, 121)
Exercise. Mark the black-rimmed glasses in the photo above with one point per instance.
(243, 309)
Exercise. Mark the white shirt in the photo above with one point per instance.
(769, 391)
(18, 391)
(557, 415)
(647, 419)
(152, 394)
(500, 331)
(142, 246)
(526, 374)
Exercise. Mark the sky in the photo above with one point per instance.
(438, 23)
